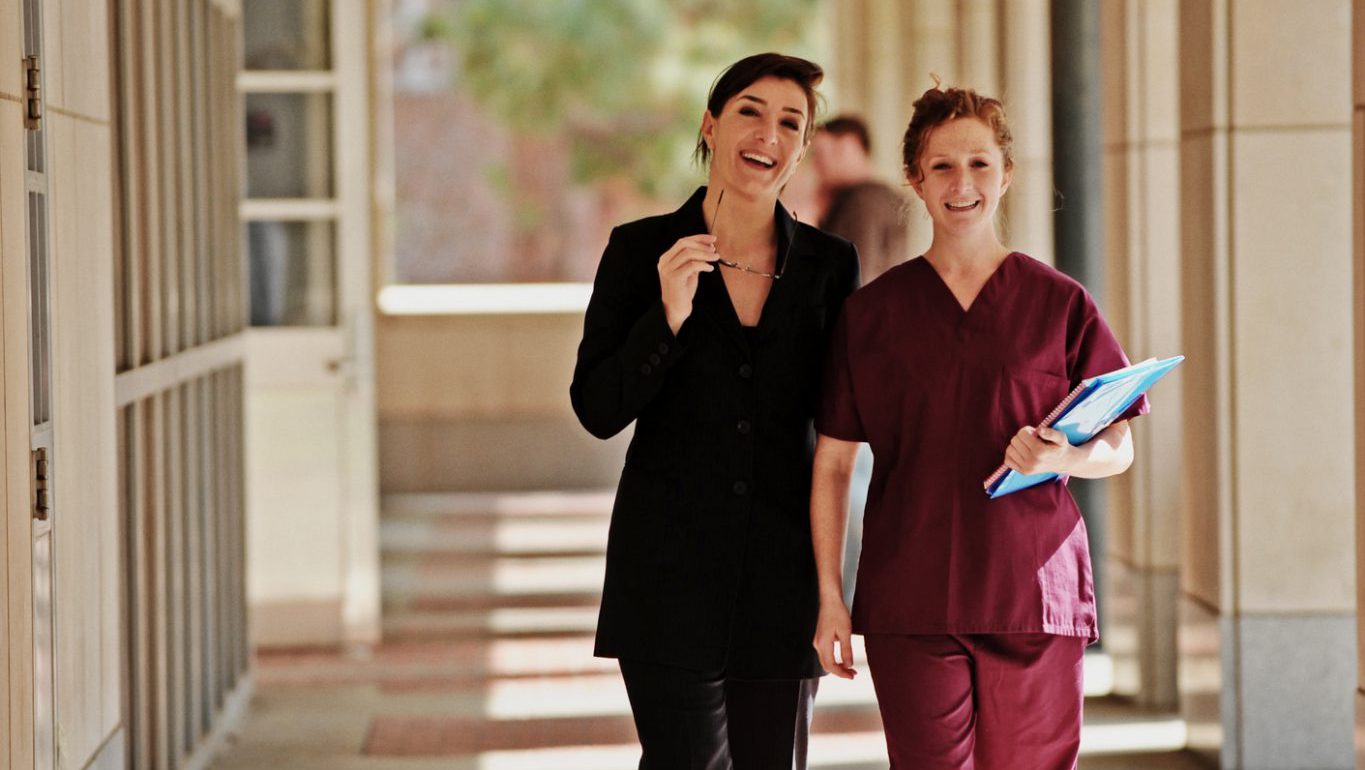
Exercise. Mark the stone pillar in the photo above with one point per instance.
(929, 45)
(1268, 634)
(1142, 302)
(1027, 93)
(887, 109)
(1078, 218)
(979, 45)
(845, 70)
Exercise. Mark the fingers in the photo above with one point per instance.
(686, 269)
(1030, 441)
(1014, 460)
(1052, 436)
(845, 668)
(833, 644)
(824, 648)
(1033, 450)
(1022, 448)
(685, 250)
(836, 654)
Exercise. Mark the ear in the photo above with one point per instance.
(918, 187)
(708, 129)
(1005, 185)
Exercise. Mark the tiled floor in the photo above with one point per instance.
(486, 665)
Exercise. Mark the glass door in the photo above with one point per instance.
(310, 401)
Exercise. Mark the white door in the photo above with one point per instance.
(311, 468)
(43, 457)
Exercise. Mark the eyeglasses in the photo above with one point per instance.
(743, 268)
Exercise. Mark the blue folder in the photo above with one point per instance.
(1087, 410)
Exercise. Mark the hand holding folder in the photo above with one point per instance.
(1090, 408)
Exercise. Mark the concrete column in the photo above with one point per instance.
(845, 69)
(1076, 108)
(1027, 93)
(1079, 216)
(1267, 631)
(1142, 303)
(979, 45)
(929, 40)
(887, 108)
(1358, 228)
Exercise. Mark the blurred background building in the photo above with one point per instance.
(291, 292)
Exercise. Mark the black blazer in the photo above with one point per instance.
(709, 561)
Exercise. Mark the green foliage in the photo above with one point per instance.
(625, 79)
(436, 26)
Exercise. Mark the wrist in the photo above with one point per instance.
(675, 317)
(1073, 460)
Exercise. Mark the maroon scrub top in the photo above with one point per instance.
(938, 393)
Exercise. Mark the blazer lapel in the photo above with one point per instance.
(784, 297)
(714, 299)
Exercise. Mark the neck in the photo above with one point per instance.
(743, 220)
(968, 252)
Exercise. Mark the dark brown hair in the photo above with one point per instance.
(938, 106)
(751, 69)
(843, 125)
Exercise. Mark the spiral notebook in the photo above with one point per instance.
(1087, 410)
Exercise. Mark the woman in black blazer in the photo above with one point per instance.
(707, 327)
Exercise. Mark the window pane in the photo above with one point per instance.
(289, 145)
(293, 275)
(286, 35)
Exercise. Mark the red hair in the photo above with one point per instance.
(938, 106)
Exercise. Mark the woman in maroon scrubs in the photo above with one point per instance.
(975, 612)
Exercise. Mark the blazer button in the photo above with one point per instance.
(746, 371)
(663, 348)
(646, 369)
(654, 358)
(744, 427)
(741, 488)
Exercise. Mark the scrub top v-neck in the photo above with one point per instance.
(937, 392)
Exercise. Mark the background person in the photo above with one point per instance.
(859, 206)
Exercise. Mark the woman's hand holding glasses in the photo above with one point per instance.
(678, 271)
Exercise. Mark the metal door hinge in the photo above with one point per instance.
(33, 94)
(42, 494)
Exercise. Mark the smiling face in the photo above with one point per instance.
(758, 139)
(963, 176)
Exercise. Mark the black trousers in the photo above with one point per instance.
(689, 720)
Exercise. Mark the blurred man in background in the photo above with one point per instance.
(859, 206)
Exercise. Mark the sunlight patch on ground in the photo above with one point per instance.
(843, 750)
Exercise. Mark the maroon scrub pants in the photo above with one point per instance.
(979, 701)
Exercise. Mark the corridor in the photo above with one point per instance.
(486, 664)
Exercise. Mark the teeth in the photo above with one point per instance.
(961, 206)
(764, 159)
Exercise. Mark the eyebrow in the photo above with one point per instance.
(763, 102)
(980, 151)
